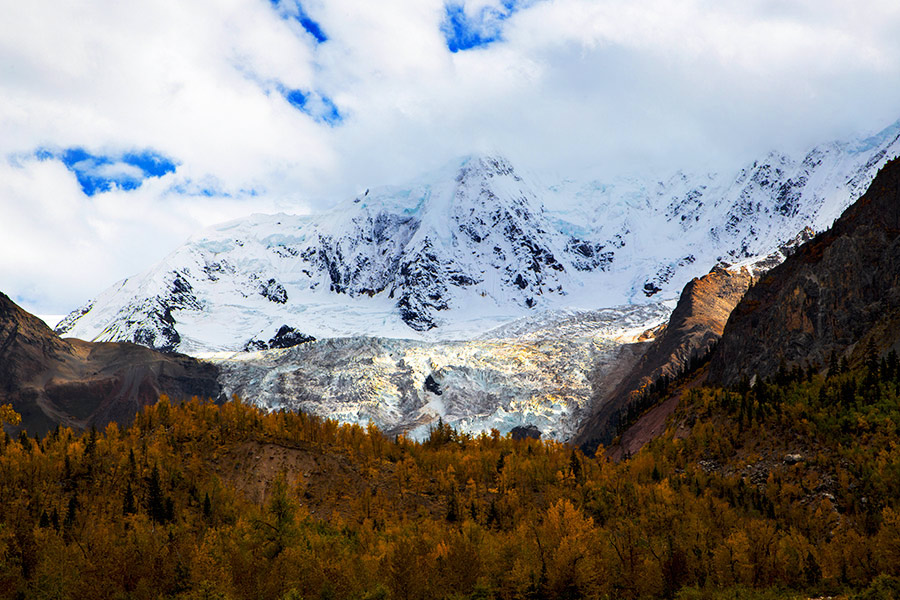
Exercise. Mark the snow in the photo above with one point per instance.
(535, 372)
(473, 246)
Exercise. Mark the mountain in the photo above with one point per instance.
(835, 297)
(469, 248)
(835, 294)
(691, 334)
(475, 242)
(51, 381)
(695, 327)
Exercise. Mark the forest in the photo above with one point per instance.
(789, 488)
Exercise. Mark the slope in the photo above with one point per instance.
(837, 292)
(692, 332)
(51, 381)
(835, 299)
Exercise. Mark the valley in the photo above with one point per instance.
(743, 465)
(450, 300)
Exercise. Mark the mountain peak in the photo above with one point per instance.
(52, 381)
(470, 247)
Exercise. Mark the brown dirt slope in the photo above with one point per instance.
(52, 381)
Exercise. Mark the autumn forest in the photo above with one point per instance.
(788, 488)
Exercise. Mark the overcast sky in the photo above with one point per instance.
(127, 126)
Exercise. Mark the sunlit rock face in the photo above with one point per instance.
(533, 372)
(692, 331)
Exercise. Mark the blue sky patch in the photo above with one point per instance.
(102, 172)
(319, 107)
(293, 10)
(211, 187)
(465, 30)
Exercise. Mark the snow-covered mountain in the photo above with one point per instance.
(469, 248)
(674, 229)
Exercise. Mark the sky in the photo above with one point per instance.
(125, 127)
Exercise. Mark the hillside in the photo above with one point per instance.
(746, 500)
(77, 384)
(834, 298)
(838, 292)
(692, 332)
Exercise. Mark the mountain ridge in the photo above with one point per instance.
(469, 248)
(838, 290)
(833, 302)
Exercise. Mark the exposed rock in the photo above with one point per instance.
(793, 459)
(51, 381)
(288, 337)
(695, 326)
(285, 337)
(432, 386)
(273, 291)
(837, 290)
(69, 321)
(523, 432)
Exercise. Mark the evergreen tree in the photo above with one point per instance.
(156, 501)
(128, 504)
(207, 507)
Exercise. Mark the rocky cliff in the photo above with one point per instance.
(839, 289)
(52, 381)
(694, 328)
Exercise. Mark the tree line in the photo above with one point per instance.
(202, 500)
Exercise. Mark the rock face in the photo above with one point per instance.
(52, 381)
(285, 337)
(837, 290)
(694, 328)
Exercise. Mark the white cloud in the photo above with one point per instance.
(573, 84)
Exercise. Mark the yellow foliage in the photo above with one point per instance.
(9, 416)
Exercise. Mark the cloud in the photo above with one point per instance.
(254, 105)
(62, 245)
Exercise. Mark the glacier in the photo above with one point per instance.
(541, 372)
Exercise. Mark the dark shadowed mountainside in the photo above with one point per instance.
(839, 289)
(52, 381)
